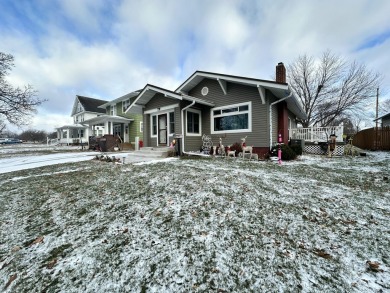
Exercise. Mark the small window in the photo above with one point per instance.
(244, 108)
(125, 105)
(141, 127)
(193, 122)
(205, 91)
(154, 125)
(172, 122)
(113, 110)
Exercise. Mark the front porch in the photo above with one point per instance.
(317, 134)
(315, 140)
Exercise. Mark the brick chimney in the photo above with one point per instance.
(280, 73)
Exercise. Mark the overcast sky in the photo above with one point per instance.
(107, 48)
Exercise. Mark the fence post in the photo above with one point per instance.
(311, 133)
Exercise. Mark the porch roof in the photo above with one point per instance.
(150, 90)
(120, 99)
(72, 126)
(107, 118)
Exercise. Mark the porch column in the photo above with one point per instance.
(67, 136)
(106, 130)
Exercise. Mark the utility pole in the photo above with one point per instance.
(377, 107)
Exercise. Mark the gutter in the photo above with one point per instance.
(270, 115)
(182, 123)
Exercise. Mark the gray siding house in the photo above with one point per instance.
(219, 105)
(385, 120)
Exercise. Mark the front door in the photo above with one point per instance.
(162, 129)
(117, 130)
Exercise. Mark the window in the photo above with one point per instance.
(194, 123)
(154, 125)
(81, 133)
(79, 107)
(171, 122)
(125, 105)
(232, 118)
(113, 110)
(141, 127)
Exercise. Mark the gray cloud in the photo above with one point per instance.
(106, 50)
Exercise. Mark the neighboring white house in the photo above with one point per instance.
(93, 117)
(84, 109)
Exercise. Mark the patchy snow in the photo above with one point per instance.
(195, 225)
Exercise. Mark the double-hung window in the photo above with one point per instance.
(125, 105)
(113, 110)
(231, 118)
(171, 122)
(154, 125)
(194, 122)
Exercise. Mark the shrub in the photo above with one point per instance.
(297, 149)
(287, 153)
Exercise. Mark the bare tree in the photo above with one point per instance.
(2, 127)
(16, 104)
(384, 107)
(330, 87)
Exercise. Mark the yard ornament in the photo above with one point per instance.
(245, 148)
(221, 149)
(280, 149)
(230, 152)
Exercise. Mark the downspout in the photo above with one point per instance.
(270, 116)
(182, 123)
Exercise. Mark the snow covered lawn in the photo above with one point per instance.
(196, 225)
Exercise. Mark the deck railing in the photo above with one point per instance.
(317, 133)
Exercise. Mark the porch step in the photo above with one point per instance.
(149, 153)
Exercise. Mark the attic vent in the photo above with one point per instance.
(205, 91)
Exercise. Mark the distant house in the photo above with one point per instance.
(384, 120)
(84, 109)
(117, 122)
(93, 117)
(223, 106)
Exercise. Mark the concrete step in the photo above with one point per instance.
(151, 152)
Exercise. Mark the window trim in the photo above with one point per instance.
(249, 112)
(151, 126)
(170, 132)
(113, 110)
(156, 114)
(200, 122)
(124, 108)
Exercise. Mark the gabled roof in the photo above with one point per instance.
(107, 118)
(120, 99)
(88, 104)
(150, 90)
(198, 76)
(383, 116)
(279, 90)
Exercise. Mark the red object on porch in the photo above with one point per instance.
(141, 143)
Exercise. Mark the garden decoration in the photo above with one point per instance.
(280, 149)
(221, 150)
(230, 153)
(331, 144)
(207, 144)
(245, 148)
